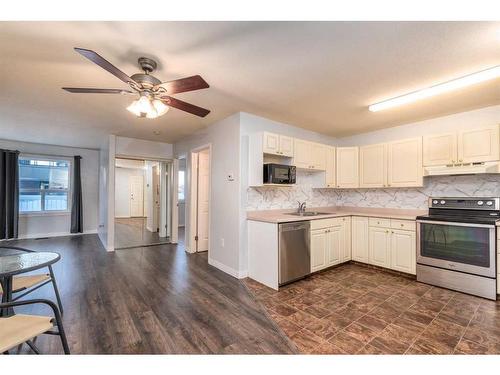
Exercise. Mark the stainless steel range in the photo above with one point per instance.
(456, 245)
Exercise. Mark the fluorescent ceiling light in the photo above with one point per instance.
(441, 88)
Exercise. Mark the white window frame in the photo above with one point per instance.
(69, 190)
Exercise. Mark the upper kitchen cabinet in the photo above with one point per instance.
(440, 149)
(478, 145)
(276, 144)
(373, 166)
(405, 163)
(309, 155)
(330, 167)
(347, 167)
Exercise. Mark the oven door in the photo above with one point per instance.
(461, 247)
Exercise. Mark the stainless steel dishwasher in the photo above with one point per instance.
(294, 251)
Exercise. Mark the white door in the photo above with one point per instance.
(302, 154)
(373, 166)
(174, 221)
(405, 163)
(379, 246)
(271, 143)
(334, 245)
(286, 146)
(345, 254)
(347, 167)
(318, 153)
(156, 198)
(318, 249)
(478, 145)
(440, 149)
(330, 167)
(136, 196)
(359, 239)
(403, 251)
(203, 199)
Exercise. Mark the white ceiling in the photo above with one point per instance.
(316, 75)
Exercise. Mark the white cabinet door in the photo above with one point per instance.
(478, 145)
(405, 163)
(373, 166)
(347, 167)
(334, 245)
(330, 167)
(318, 156)
(440, 149)
(379, 246)
(359, 239)
(271, 143)
(286, 146)
(346, 240)
(318, 249)
(403, 251)
(302, 154)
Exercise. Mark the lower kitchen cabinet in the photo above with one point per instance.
(330, 242)
(359, 239)
(403, 251)
(379, 247)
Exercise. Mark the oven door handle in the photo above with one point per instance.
(451, 223)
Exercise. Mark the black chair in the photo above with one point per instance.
(30, 283)
(18, 329)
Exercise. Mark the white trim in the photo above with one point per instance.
(55, 234)
(230, 271)
(44, 213)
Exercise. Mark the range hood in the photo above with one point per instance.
(461, 169)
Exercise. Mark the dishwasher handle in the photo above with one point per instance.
(294, 226)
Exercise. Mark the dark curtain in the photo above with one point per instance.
(76, 201)
(9, 194)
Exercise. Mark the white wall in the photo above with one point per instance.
(225, 195)
(102, 229)
(182, 205)
(143, 148)
(33, 226)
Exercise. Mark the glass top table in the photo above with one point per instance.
(17, 263)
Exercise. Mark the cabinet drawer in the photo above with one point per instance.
(378, 222)
(326, 223)
(403, 224)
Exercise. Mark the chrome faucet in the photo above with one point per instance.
(302, 207)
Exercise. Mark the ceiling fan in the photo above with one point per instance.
(154, 96)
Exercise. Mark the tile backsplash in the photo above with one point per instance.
(412, 198)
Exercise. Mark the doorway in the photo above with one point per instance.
(142, 202)
(200, 199)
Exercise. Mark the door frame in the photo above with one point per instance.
(193, 198)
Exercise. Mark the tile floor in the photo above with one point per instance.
(353, 309)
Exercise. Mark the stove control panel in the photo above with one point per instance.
(466, 203)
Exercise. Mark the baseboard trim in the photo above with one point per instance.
(55, 234)
(230, 271)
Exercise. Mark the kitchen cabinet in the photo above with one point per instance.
(347, 167)
(405, 163)
(373, 166)
(277, 144)
(478, 145)
(403, 251)
(440, 149)
(330, 242)
(359, 239)
(309, 155)
(379, 246)
(330, 167)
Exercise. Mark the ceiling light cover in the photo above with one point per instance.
(145, 107)
(468, 80)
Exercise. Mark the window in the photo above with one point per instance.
(43, 184)
(180, 196)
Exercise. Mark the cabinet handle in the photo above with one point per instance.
(453, 162)
(460, 160)
(402, 225)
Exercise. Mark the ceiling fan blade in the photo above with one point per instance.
(80, 90)
(103, 63)
(186, 107)
(184, 84)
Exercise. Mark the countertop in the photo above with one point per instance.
(281, 216)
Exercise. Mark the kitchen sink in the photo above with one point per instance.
(309, 213)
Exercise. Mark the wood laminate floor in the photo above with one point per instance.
(156, 299)
(132, 232)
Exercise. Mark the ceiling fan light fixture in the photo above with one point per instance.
(160, 107)
(145, 107)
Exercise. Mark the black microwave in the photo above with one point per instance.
(279, 174)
